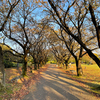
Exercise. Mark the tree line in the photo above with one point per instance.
(64, 27)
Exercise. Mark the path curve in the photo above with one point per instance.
(55, 85)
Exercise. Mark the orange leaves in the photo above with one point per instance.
(43, 2)
(39, 5)
(21, 86)
(16, 28)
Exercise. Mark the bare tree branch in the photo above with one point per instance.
(11, 9)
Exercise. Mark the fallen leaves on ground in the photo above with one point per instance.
(21, 87)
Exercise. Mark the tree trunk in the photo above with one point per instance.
(24, 68)
(2, 67)
(35, 66)
(66, 61)
(94, 57)
(35, 63)
(66, 65)
(78, 67)
(38, 65)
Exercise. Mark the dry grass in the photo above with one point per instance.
(90, 79)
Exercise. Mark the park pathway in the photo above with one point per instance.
(55, 85)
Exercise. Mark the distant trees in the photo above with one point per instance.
(39, 45)
(59, 50)
(72, 47)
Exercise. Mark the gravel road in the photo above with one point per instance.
(55, 85)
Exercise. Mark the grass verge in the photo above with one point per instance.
(90, 79)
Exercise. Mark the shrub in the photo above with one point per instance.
(8, 64)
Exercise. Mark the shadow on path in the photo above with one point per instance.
(55, 85)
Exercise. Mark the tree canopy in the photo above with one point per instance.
(65, 27)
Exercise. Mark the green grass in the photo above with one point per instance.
(15, 64)
(6, 91)
(95, 88)
(90, 77)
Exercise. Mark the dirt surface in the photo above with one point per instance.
(55, 85)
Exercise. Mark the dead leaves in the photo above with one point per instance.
(23, 84)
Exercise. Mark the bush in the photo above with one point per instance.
(53, 62)
(8, 64)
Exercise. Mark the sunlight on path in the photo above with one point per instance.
(55, 85)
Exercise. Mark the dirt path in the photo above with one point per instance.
(55, 85)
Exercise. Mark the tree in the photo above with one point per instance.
(60, 15)
(79, 27)
(96, 24)
(58, 48)
(6, 9)
(20, 29)
(72, 48)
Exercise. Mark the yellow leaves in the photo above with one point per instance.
(39, 5)
(26, 78)
(4, 47)
(13, 70)
(35, 72)
(16, 28)
(19, 81)
(11, 77)
(43, 2)
(36, 1)
(14, 73)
